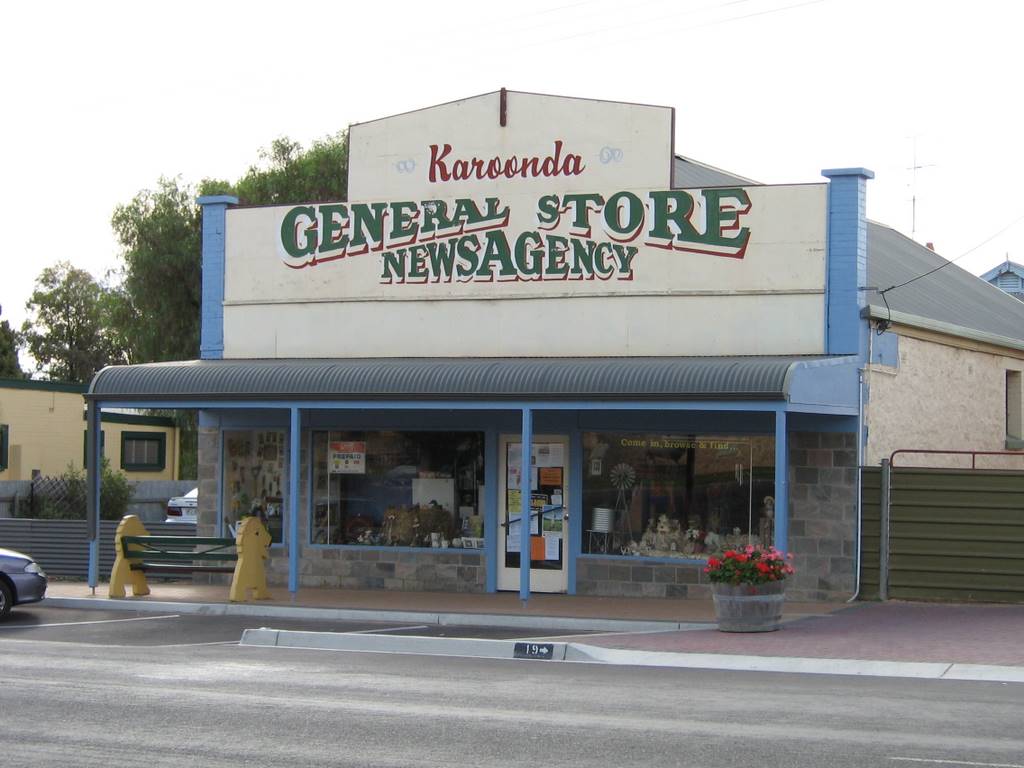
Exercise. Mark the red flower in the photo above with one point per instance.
(714, 562)
(764, 568)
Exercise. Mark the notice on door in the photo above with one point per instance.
(348, 458)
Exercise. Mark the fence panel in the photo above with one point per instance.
(61, 547)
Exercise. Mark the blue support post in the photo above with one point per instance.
(94, 461)
(293, 502)
(846, 331)
(781, 482)
(211, 336)
(573, 541)
(492, 534)
(525, 488)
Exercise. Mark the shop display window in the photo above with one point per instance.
(687, 496)
(255, 465)
(403, 489)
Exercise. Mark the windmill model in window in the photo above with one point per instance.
(623, 477)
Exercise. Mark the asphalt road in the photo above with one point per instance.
(87, 695)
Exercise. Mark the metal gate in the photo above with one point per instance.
(951, 534)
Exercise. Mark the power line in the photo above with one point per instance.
(883, 324)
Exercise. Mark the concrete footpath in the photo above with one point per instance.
(893, 639)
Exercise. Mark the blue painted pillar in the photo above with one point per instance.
(211, 335)
(492, 533)
(293, 501)
(572, 544)
(846, 332)
(94, 462)
(524, 519)
(781, 482)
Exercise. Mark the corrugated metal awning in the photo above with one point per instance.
(452, 378)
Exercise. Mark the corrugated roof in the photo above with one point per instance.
(451, 378)
(692, 174)
(951, 296)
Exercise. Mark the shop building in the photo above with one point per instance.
(681, 351)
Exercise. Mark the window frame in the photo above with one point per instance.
(5, 446)
(160, 438)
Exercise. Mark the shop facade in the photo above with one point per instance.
(516, 276)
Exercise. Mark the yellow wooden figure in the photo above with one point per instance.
(122, 572)
(252, 542)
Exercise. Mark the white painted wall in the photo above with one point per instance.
(767, 298)
(623, 146)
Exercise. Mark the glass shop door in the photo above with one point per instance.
(549, 519)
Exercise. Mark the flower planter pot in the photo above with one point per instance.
(749, 607)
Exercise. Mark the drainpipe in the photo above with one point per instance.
(860, 480)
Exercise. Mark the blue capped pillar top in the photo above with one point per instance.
(846, 332)
(211, 337)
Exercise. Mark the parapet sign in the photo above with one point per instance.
(511, 142)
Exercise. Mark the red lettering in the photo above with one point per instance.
(437, 166)
(524, 167)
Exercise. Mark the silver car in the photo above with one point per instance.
(21, 581)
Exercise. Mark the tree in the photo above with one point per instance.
(67, 333)
(156, 306)
(9, 366)
(293, 175)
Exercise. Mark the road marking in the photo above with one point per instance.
(379, 631)
(956, 762)
(78, 623)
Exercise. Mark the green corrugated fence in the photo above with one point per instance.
(953, 535)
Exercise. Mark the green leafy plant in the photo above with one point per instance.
(750, 565)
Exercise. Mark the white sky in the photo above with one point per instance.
(102, 98)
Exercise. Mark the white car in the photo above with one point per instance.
(182, 509)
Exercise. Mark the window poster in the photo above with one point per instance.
(348, 458)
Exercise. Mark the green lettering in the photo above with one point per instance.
(331, 237)
(417, 263)
(529, 266)
(548, 212)
(672, 206)
(613, 218)
(496, 249)
(403, 221)
(435, 217)
(442, 259)
(290, 226)
(367, 225)
(393, 266)
(469, 247)
(581, 208)
(582, 258)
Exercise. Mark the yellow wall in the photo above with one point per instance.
(45, 432)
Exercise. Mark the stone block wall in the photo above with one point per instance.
(448, 570)
(624, 577)
(823, 480)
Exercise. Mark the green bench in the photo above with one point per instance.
(180, 554)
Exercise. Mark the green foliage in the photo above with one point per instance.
(290, 174)
(67, 332)
(115, 495)
(156, 307)
(9, 366)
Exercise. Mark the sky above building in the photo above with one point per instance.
(101, 99)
